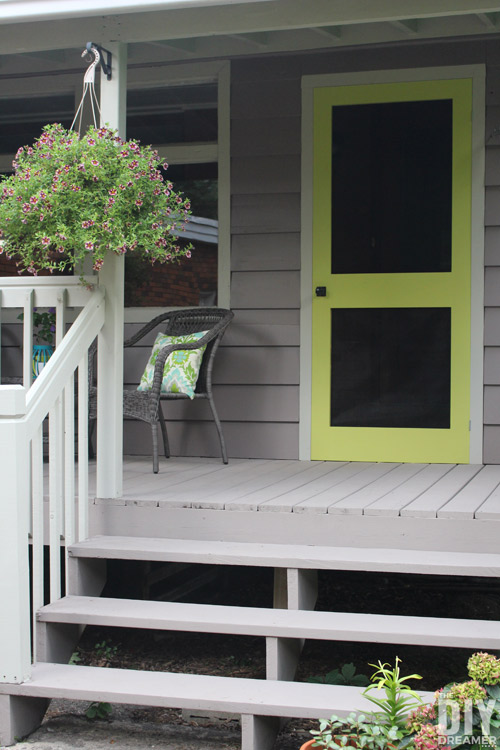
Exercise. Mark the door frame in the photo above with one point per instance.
(478, 74)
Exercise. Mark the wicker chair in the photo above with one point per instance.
(145, 405)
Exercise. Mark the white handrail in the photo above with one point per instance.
(24, 486)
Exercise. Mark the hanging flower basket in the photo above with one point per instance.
(73, 197)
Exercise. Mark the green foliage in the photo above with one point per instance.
(378, 729)
(72, 197)
(75, 658)
(399, 698)
(355, 731)
(98, 710)
(106, 650)
(44, 325)
(344, 676)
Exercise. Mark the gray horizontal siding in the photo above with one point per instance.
(234, 365)
(266, 174)
(265, 289)
(240, 403)
(266, 252)
(266, 206)
(257, 369)
(244, 439)
(265, 214)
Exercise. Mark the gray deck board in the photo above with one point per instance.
(394, 501)
(440, 491)
(278, 623)
(468, 500)
(490, 509)
(321, 503)
(364, 497)
(434, 562)
(176, 690)
(431, 501)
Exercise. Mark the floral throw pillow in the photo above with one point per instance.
(182, 367)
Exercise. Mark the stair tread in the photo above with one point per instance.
(289, 555)
(260, 621)
(174, 690)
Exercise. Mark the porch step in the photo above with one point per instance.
(171, 690)
(289, 556)
(278, 623)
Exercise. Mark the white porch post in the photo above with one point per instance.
(15, 649)
(110, 357)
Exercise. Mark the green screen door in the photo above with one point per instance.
(391, 272)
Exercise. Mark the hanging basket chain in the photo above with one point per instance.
(88, 88)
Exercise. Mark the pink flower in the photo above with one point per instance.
(94, 162)
(188, 253)
(89, 246)
(45, 240)
(98, 264)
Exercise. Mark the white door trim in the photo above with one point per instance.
(478, 74)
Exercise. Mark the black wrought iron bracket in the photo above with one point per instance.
(106, 66)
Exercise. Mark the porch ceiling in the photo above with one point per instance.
(190, 29)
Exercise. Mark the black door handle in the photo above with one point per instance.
(321, 291)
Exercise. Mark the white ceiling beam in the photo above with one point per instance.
(409, 27)
(489, 19)
(331, 32)
(185, 45)
(250, 17)
(258, 39)
(19, 11)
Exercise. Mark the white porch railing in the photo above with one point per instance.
(23, 482)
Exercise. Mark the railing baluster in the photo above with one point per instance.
(55, 496)
(38, 526)
(28, 339)
(69, 467)
(61, 315)
(83, 447)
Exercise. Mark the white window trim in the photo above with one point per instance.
(200, 153)
(478, 74)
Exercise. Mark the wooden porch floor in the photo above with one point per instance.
(425, 491)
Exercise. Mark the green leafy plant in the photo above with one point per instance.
(399, 698)
(75, 658)
(355, 731)
(105, 650)
(98, 710)
(72, 197)
(377, 730)
(344, 676)
(44, 325)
